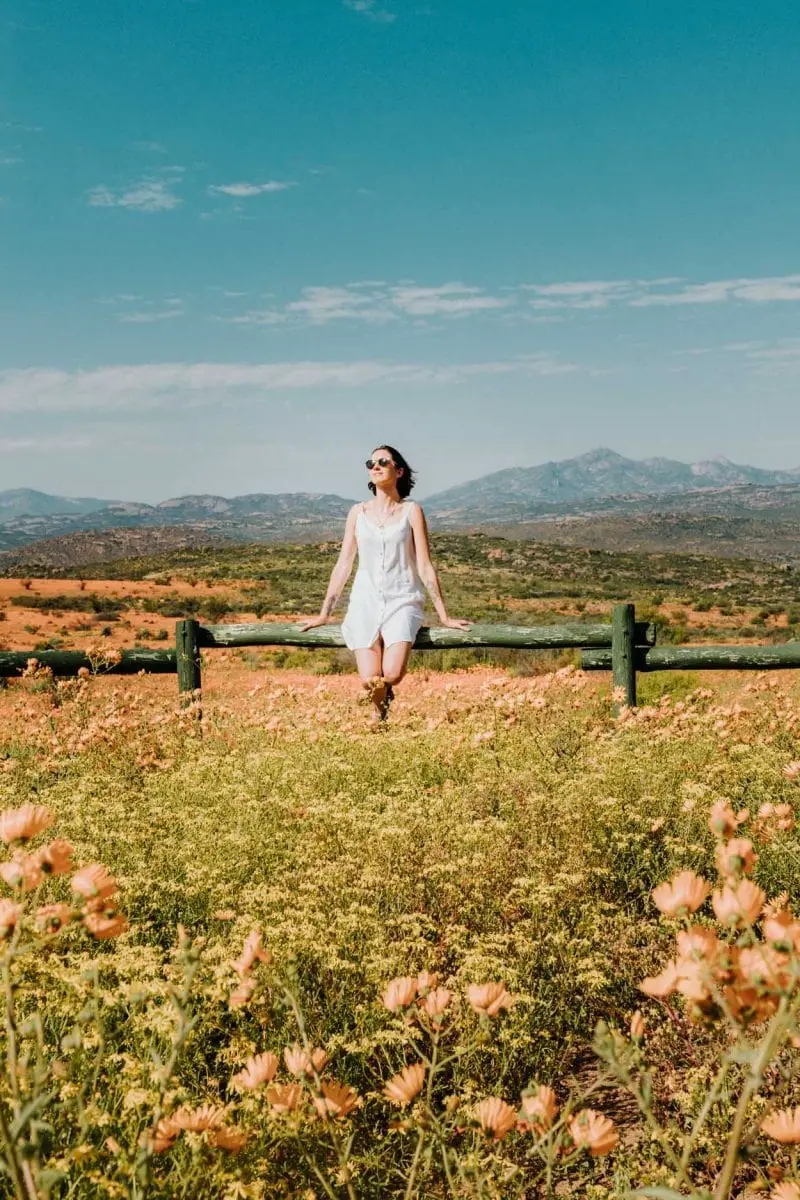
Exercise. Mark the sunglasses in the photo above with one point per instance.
(372, 463)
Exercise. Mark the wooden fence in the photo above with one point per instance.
(624, 647)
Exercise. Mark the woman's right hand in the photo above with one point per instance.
(313, 622)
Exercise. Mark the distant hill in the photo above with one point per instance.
(288, 516)
(77, 549)
(520, 492)
(20, 502)
(598, 499)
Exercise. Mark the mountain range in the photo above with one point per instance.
(599, 487)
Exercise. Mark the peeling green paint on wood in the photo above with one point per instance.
(434, 637)
(623, 664)
(187, 655)
(69, 662)
(703, 658)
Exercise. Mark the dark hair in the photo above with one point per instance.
(406, 481)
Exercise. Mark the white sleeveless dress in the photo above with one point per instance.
(387, 595)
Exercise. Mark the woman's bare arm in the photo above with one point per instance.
(427, 571)
(340, 573)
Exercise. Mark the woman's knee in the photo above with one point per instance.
(394, 673)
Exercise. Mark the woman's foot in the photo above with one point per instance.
(375, 694)
(388, 697)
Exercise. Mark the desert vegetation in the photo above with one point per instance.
(486, 578)
(506, 948)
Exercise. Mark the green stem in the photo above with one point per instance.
(753, 1083)
(185, 1024)
(320, 1176)
(342, 1156)
(412, 1175)
(11, 1155)
(709, 1102)
(11, 1032)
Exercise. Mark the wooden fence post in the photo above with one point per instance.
(623, 655)
(187, 653)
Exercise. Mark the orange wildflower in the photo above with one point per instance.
(252, 952)
(685, 892)
(54, 916)
(56, 859)
(739, 903)
(103, 926)
(540, 1107)
(197, 1120)
(399, 993)
(763, 965)
(637, 1026)
(22, 872)
(792, 770)
(403, 1087)
(496, 1117)
(783, 1126)
(663, 985)
(228, 1137)
(259, 1068)
(22, 824)
(594, 1131)
(736, 857)
(436, 1002)
(94, 883)
(300, 1062)
(426, 980)
(781, 927)
(723, 821)
(489, 998)
(166, 1133)
(785, 1191)
(285, 1097)
(337, 1099)
(242, 994)
(10, 913)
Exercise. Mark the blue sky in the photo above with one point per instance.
(242, 243)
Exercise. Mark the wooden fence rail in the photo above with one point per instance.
(625, 647)
(69, 662)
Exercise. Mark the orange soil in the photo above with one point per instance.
(65, 624)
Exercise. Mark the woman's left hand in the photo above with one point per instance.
(455, 623)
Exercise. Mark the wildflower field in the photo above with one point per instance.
(266, 952)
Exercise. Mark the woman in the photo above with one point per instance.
(385, 611)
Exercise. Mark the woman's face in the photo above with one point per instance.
(380, 474)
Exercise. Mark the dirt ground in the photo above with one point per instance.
(228, 676)
(23, 628)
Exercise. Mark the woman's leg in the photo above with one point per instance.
(370, 669)
(395, 661)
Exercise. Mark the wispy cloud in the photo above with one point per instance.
(20, 127)
(146, 311)
(766, 357)
(451, 299)
(149, 147)
(756, 291)
(149, 387)
(371, 10)
(243, 190)
(10, 160)
(320, 305)
(377, 303)
(148, 316)
(148, 195)
(647, 293)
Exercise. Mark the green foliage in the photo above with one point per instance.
(504, 830)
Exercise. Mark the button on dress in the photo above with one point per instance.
(387, 595)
